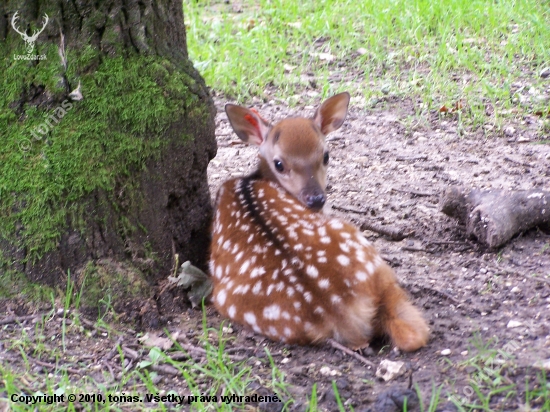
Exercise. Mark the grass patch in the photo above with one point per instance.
(480, 53)
(44, 359)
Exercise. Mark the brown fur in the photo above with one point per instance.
(263, 280)
(291, 273)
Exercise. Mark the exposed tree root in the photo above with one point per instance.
(494, 217)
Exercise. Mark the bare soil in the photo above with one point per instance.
(388, 168)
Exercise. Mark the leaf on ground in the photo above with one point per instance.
(192, 277)
(151, 339)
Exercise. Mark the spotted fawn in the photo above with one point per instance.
(284, 269)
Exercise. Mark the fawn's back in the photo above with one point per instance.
(287, 271)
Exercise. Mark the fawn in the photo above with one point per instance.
(286, 270)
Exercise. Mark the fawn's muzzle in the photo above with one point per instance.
(315, 200)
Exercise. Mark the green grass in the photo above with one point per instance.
(482, 53)
(137, 385)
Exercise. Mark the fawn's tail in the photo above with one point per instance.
(399, 319)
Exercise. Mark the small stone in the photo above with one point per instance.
(285, 360)
(362, 51)
(386, 88)
(325, 371)
(515, 289)
(446, 352)
(542, 364)
(509, 131)
(514, 324)
(388, 370)
(464, 353)
(544, 73)
(523, 139)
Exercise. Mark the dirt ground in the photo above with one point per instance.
(489, 311)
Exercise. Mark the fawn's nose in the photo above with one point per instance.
(315, 201)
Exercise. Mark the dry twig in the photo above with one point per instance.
(351, 353)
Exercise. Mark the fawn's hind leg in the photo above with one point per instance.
(397, 317)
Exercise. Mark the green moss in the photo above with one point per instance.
(14, 284)
(90, 144)
(109, 279)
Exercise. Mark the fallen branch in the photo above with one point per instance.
(393, 234)
(345, 209)
(411, 158)
(432, 291)
(494, 217)
(349, 352)
(55, 367)
(414, 192)
(17, 319)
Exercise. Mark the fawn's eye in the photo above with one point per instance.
(325, 159)
(279, 166)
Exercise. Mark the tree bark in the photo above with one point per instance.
(494, 217)
(108, 138)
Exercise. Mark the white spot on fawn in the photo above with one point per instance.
(335, 299)
(344, 247)
(324, 284)
(250, 318)
(336, 224)
(325, 240)
(361, 276)
(370, 268)
(241, 289)
(239, 256)
(319, 310)
(244, 267)
(312, 271)
(232, 311)
(257, 288)
(257, 271)
(272, 312)
(222, 295)
(343, 260)
(308, 297)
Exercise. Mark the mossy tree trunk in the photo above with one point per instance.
(107, 130)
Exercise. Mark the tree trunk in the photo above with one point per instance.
(107, 130)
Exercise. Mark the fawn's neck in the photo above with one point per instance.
(263, 171)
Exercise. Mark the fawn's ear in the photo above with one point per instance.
(332, 113)
(247, 123)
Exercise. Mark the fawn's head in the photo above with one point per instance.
(293, 152)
